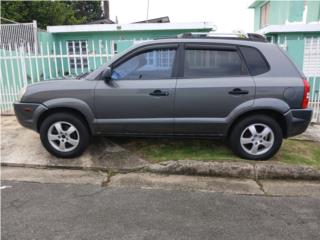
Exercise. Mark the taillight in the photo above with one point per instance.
(306, 91)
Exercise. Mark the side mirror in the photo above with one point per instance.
(106, 74)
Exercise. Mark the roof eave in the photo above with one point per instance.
(257, 4)
(297, 28)
(130, 27)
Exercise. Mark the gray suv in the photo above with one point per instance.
(246, 91)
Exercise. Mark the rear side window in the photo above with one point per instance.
(212, 63)
(255, 61)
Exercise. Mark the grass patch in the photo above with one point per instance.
(299, 152)
(158, 150)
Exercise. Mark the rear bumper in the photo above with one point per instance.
(28, 114)
(298, 121)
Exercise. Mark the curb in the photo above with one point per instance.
(236, 170)
(256, 171)
(68, 167)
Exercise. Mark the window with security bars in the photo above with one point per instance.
(311, 59)
(76, 50)
(161, 58)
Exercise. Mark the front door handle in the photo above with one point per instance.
(158, 93)
(238, 91)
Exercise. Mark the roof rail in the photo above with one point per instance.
(248, 37)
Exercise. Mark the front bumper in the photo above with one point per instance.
(28, 114)
(298, 121)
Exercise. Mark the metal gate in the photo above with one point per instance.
(20, 34)
(21, 65)
(311, 68)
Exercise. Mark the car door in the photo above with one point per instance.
(139, 98)
(214, 81)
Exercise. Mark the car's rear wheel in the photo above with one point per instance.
(64, 135)
(257, 137)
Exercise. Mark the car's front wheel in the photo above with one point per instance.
(257, 137)
(64, 135)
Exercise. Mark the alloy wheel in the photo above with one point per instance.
(257, 139)
(63, 136)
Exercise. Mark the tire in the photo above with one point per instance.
(260, 146)
(65, 129)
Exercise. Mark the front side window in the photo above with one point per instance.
(212, 63)
(153, 64)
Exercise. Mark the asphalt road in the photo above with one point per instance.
(82, 211)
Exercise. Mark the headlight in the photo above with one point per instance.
(22, 92)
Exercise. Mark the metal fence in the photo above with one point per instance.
(311, 68)
(21, 66)
(19, 34)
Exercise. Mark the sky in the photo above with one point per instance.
(227, 15)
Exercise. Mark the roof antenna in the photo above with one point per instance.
(148, 11)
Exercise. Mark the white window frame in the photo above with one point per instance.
(77, 52)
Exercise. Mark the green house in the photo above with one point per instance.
(294, 25)
(29, 55)
(74, 49)
(122, 33)
(108, 39)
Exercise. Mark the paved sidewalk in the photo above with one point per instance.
(312, 133)
(22, 147)
(165, 182)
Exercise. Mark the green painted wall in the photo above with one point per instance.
(11, 68)
(119, 35)
(45, 36)
(256, 18)
(295, 44)
(279, 12)
(313, 11)
(46, 67)
(283, 11)
(296, 9)
(124, 40)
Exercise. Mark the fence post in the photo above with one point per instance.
(23, 66)
(61, 58)
(94, 54)
(35, 36)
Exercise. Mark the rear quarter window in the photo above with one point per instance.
(256, 62)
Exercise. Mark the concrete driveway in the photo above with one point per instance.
(22, 147)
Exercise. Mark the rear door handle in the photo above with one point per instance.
(238, 91)
(158, 93)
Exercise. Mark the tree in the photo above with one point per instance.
(51, 12)
(90, 9)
